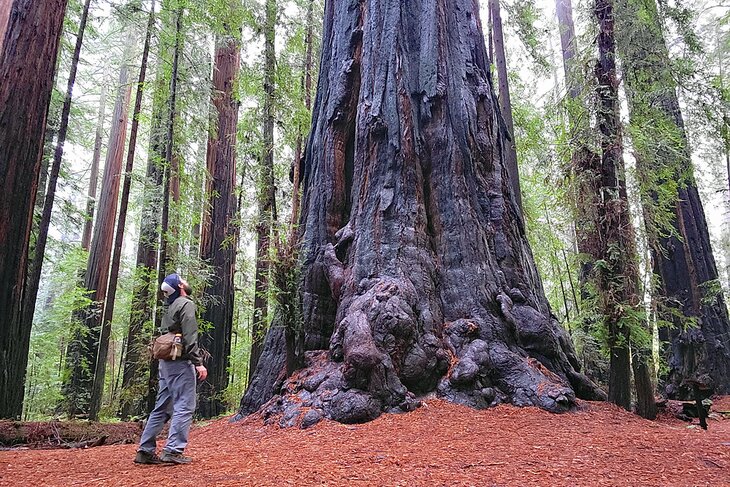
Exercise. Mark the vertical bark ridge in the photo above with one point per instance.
(457, 308)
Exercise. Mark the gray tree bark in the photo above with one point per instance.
(417, 275)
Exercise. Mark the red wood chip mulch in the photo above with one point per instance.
(439, 444)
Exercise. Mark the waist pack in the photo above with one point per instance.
(168, 346)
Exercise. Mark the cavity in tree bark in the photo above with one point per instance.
(417, 276)
(698, 344)
(31, 31)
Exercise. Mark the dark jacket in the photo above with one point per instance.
(180, 317)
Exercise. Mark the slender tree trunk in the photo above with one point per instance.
(583, 157)
(83, 350)
(111, 293)
(220, 242)
(505, 102)
(266, 191)
(32, 32)
(417, 275)
(164, 263)
(34, 275)
(136, 381)
(5, 8)
(698, 345)
(94, 172)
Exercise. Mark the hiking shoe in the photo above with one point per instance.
(147, 458)
(178, 458)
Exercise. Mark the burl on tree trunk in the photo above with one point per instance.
(417, 276)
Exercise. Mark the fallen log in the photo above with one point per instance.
(67, 434)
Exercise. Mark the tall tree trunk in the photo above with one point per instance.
(32, 32)
(83, 350)
(94, 172)
(5, 8)
(617, 278)
(583, 157)
(220, 241)
(417, 275)
(136, 381)
(111, 293)
(32, 283)
(505, 102)
(170, 173)
(266, 192)
(698, 348)
(307, 85)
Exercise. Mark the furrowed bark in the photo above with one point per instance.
(220, 238)
(31, 31)
(83, 349)
(417, 275)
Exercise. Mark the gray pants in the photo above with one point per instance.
(175, 401)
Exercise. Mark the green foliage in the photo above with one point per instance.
(52, 330)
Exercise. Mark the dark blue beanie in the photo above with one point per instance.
(173, 281)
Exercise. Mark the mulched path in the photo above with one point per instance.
(440, 444)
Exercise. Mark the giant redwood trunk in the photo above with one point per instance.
(417, 276)
(698, 344)
(31, 31)
(219, 239)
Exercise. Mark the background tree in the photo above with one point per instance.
(219, 238)
(699, 333)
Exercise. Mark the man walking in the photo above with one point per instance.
(176, 395)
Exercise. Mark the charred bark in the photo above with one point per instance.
(698, 343)
(220, 239)
(417, 275)
(31, 32)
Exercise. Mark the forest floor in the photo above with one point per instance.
(440, 444)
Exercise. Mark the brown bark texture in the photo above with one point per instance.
(417, 275)
(218, 243)
(83, 349)
(32, 32)
(94, 172)
(32, 284)
(698, 343)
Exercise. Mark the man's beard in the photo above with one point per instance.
(188, 290)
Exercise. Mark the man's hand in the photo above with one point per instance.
(202, 372)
